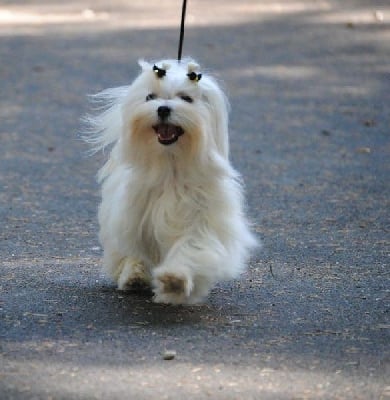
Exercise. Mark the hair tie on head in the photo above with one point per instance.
(159, 71)
(193, 76)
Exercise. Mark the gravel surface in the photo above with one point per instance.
(309, 84)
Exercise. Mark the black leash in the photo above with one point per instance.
(183, 16)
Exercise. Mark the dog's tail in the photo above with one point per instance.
(102, 127)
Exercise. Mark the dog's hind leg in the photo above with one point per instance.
(132, 274)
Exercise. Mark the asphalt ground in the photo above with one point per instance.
(309, 84)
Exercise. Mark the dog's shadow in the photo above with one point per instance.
(136, 306)
(101, 307)
(56, 305)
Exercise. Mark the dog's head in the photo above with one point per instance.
(172, 107)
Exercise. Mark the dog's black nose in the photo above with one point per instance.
(163, 112)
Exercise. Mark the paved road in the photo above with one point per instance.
(309, 86)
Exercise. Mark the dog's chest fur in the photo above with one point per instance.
(166, 212)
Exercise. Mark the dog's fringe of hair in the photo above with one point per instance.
(102, 127)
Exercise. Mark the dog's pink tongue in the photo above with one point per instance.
(166, 131)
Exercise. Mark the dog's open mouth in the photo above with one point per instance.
(167, 133)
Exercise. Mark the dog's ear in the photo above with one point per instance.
(145, 66)
(219, 112)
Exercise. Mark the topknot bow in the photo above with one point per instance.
(160, 72)
(193, 76)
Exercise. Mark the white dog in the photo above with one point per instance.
(171, 215)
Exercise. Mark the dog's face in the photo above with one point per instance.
(172, 108)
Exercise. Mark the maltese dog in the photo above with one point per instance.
(171, 216)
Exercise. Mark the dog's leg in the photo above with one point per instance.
(172, 285)
(132, 274)
(188, 271)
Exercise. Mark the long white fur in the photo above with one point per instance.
(171, 216)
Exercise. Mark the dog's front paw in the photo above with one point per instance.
(172, 288)
(133, 275)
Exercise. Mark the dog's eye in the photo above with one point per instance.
(186, 98)
(150, 96)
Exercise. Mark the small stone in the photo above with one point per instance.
(369, 122)
(169, 354)
(379, 16)
(363, 150)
